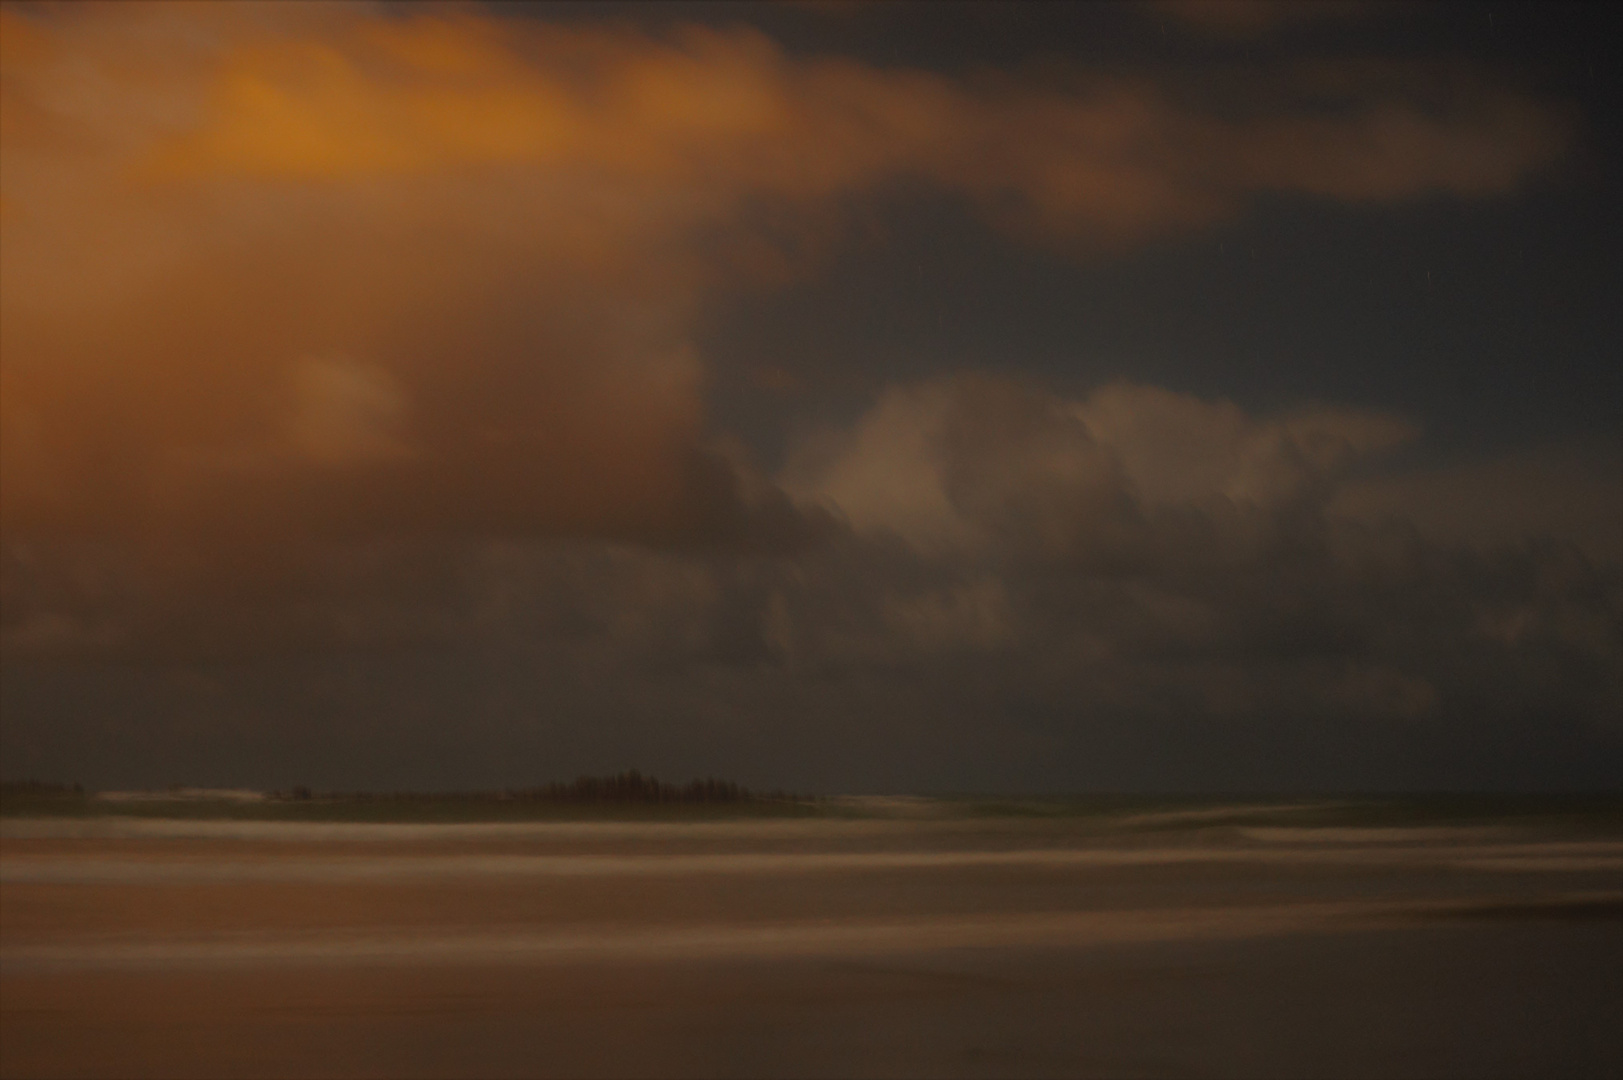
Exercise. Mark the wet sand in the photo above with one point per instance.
(903, 947)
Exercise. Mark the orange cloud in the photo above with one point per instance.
(260, 260)
(727, 112)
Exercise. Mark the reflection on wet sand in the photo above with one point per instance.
(1209, 943)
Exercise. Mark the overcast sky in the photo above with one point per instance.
(837, 397)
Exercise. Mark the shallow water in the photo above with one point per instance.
(1212, 941)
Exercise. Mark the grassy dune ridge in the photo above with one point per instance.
(626, 795)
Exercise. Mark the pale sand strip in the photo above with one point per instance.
(70, 869)
(127, 828)
(591, 943)
(729, 941)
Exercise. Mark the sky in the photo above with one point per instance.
(835, 397)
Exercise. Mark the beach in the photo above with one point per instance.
(1227, 940)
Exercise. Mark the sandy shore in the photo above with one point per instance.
(899, 947)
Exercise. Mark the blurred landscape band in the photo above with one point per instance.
(629, 789)
(631, 795)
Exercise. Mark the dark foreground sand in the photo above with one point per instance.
(929, 947)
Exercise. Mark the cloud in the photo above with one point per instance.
(968, 462)
(1154, 550)
(345, 412)
(1573, 491)
(344, 269)
(450, 353)
(730, 110)
(1175, 447)
(1045, 618)
(339, 336)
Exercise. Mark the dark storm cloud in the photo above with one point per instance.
(1141, 531)
(1053, 591)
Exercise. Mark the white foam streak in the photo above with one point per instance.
(590, 943)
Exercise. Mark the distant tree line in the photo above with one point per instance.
(634, 787)
(626, 787)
